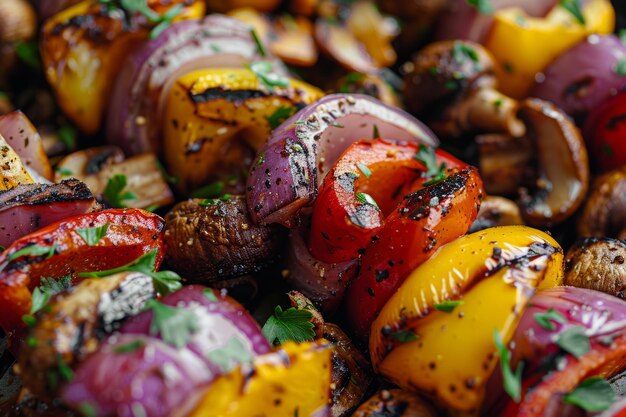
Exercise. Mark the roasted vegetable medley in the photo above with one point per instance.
(312, 208)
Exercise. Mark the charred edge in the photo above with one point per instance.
(217, 93)
(299, 156)
(126, 300)
(35, 194)
(419, 203)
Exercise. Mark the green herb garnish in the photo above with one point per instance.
(620, 67)
(129, 347)
(174, 325)
(67, 134)
(234, 353)
(93, 235)
(290, 324)
(364, 169)
(574, 7)
(593, 394)
(114, 192)
(428, 157)
(263, 71)
(365, 198)
(28, 53)
(213, 190)
(280, 115)
(546, 319)
(165, 282)
(483, 6)
(448, 306)
(512, 381)
(259, 44)
(574, 341)
(404, 336)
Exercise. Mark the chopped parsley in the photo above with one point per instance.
(64, 171)
(175, 325)
(622, 36)
(365, 198)
(280, 115)
(546, 319)
(404, 336)
(620, 67)
(428, 157)
(114, 192)
(483, 6)
(259, 44)
(512, 381)
(34, 250)
(376, 132)
(234, 353)
(364, 169)
(462, 52)
(593, 394)
(290, 324)
(448, 306)
(263, 71)
(48, 287)
(28, 53)
(574, 7)
(215, 201)
(131, 346)
(165, 20)
(67, 135)
(213, 190)
(93, 235)
(165, 282)
(574, 341)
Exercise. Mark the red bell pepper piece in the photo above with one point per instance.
(605, 133)
(539, 389)
(58, 250)
(366, 184)
(426, 220)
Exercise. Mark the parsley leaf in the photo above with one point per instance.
(620, 67)
(448, 306)
(290, 324)
(574, 341)
(593, 394)
(174, 325)
(67, 134)
(259, 44)
(42, 294)
(165, 282)
(364, 169)
(212, 190)
(461, 52)
(428, 157)
(546, 319)
(622, 36)
(574, 7)
(234, 353)
(34, 250)
(93, 235)
(263, 71)
(28, 53)
(165, 20)
(280, 115)
(39, 300)
(404, 336)
(114, 192)
(376, 132)
(64, 171)
(483, 6)
(365, 198)
(129, 347)
(512, 381)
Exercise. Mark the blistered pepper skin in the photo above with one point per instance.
(130, 234)
(207, 109)
(493, 273)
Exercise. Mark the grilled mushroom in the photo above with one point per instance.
(505, 162)
(215, 240)
(396, 403)
(496, 211)
(563, 167)
(451, 84)
(74, 325)
(598, 264)
(604, 213)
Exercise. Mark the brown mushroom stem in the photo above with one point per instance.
(604, 213)
(488, 110)
(503, 162)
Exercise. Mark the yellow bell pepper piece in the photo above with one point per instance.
(81, 69)
(524, 46)
(493, 273)
(292, 382)
(206, 110)
(12, 170)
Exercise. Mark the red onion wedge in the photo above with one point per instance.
(27, 208)
(323, 283)
(22, 136)
(137, 371)
(462, 21)
(585, 76)
(288, 170)
(138, 99)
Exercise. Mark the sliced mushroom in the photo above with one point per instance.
(96, 166)
(341, 45)
(75, 323)
(598, 264)
(504, 162)
(563, 166)
(451, 84)
(212, 240)
(604, 213)
(396, 403)
(496, 211)
(351, 373)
